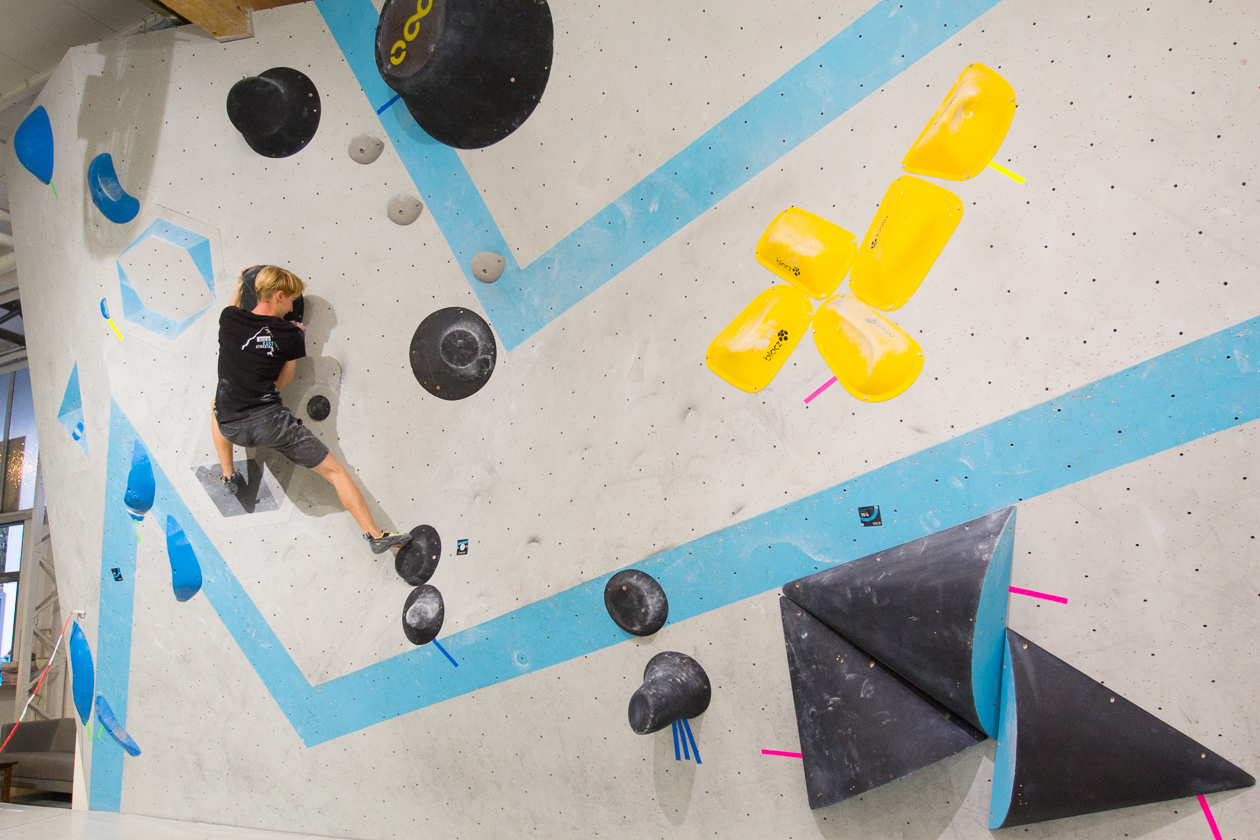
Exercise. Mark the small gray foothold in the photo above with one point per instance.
(404, 209)
(364, 148)
(487, 267)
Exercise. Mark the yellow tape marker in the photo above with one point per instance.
(1019, 179)
(115, 326)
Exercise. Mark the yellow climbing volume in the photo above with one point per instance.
(967, 129)
(808, 251)
(752, 348)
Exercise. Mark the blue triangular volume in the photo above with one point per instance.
(33, 144)
(83, 675)
(70, 414)
(185, 570)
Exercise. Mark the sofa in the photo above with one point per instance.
(44, 752)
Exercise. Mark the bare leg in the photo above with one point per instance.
(331, 469)
(222, 446)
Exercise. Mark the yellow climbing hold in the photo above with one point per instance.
(873, 358)
(752, 348)
(808, 251)
(908, 233)
(965, 132)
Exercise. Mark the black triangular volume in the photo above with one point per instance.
(861, 725)
(933, 610)
(1072, 746)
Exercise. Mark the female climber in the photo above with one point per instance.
(258, 351)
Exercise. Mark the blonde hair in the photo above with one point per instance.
(272, 279)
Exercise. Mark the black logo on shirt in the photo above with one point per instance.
(261, 341)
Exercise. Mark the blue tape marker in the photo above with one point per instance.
(1205, 387)
(674, 728)
(382, 109)
(686, 754)
(692, 739)
(444, 653)
(831, 80)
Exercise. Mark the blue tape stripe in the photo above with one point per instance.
(674, 728)
(381, 109)
(444, 653)
(845, 70)
(1197, 390)
(692, 738)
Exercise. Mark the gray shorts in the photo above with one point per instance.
(276, 428)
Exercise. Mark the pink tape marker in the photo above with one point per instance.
(1031, 594)
(825, 386)
(791, 755)
(1207, 812)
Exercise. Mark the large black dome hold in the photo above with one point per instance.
(469, 71)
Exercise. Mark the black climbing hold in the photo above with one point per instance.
(469, 71)
(416, 561)
(318, 408)
(1070, 746)
(861, 725)
(636, 602)
(933, 610)
(674, 688)
(453, 353)
(423, 614)
(249, 297)
(276, 111)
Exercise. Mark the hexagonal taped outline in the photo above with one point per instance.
(198, 249)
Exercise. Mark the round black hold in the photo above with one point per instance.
(674, 688)
(636, 602)
(416, 561)
(423, 614)
(249, 299)
(469, 71)
(318, 408)
(276, 111)
(453, 353)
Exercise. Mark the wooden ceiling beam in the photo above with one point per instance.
(225, 20)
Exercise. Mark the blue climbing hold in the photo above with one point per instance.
(185, 570)
(105, 715)
(33, 144)
(107, 193)
(83, 674)
(140, 486)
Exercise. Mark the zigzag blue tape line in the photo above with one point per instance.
(831, 80)
(1197, 390)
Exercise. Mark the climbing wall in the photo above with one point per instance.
(1089, 344)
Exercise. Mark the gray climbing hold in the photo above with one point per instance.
(487, 267)
(423, 614)
(404, 209)
(364, 148)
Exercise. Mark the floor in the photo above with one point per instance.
(20, 822)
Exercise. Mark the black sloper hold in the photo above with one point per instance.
(674, 688)
(469, 71)
(423, 614)
(416, 561)
(636, 602)
(318, 407)
(453, 353)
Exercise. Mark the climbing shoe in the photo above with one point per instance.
(386, 541)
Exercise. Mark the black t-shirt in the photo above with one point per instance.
(252, 350)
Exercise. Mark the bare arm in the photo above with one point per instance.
(286, 374)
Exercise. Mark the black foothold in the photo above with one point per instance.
(423, 614)
(276, 111)
(318, 407)
(636, 602)
(674, 688)
(453, 353)
(418, 560)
